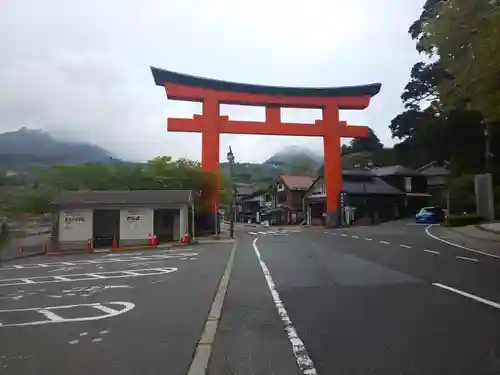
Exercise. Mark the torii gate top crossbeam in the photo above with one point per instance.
(192, 88)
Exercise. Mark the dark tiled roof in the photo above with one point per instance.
(245, 190)
(123, 197)
(374, 186)
(161, 76)
(297, 182)
(395, 170)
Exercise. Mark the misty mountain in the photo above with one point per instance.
(296, 156)
(29, 145)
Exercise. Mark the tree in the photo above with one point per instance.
(371, 143)
(465, 35)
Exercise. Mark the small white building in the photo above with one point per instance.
(130, 217)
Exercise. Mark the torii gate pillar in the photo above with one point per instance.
(212, 93)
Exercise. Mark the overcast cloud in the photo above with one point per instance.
(80, 68)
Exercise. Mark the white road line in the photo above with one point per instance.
(354, 236)
(101, 261)
(405, 246)
(460, 246)
(49, 314)
(303, 359)
(469, 259)
(87, 276)
(62, 278)
(385, 242)
(105, 309)
(253, 233)
(431, 251)
(468, 295)
(125, 307)
(343, 234)
(368, 239)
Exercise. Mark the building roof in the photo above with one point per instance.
(161, 76)
(123, 197)
(297, 182)
(245, 190)
(375, 186)
(395, 170)
(435, 169)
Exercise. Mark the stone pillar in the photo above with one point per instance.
(183, 221)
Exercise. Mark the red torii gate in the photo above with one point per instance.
(212, 93)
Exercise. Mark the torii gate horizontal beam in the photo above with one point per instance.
(226, 126)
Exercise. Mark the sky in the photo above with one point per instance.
(80, 69)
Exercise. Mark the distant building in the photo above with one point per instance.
(287, 195)
(410, 181)
(367, 197)
(437, 175)
(130, 217)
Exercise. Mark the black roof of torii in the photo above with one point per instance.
(161, 76)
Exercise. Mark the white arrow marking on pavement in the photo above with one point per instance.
(87, 276)
(54, 318)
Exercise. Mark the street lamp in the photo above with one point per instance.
(230, 159)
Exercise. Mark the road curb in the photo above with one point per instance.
(203, 351)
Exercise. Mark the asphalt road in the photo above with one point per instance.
(377, 300)
(127, 313)
(362, 304)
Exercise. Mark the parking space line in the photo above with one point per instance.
(52, 317)
(31, 266)
(86, 276)
(49, 314)
(469, 259)
(385, 242)
(368, 239)
(405, 246)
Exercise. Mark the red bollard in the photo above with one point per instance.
(150, 239)
(186, 238)
(115, 244)
(155, 240)
(89, 245)
(20, 251)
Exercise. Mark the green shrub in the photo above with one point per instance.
(461, 220)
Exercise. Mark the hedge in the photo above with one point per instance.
(461, 220)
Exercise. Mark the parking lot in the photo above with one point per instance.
(124, 313)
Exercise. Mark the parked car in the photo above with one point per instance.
(430, 215)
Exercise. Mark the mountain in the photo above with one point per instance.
(295, 155)
(32, 144)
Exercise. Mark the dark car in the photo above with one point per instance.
(430, 215)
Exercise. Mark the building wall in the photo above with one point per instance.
(136, 224)
(75, 227)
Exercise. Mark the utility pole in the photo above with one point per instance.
(487, 150)
(230, 159)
